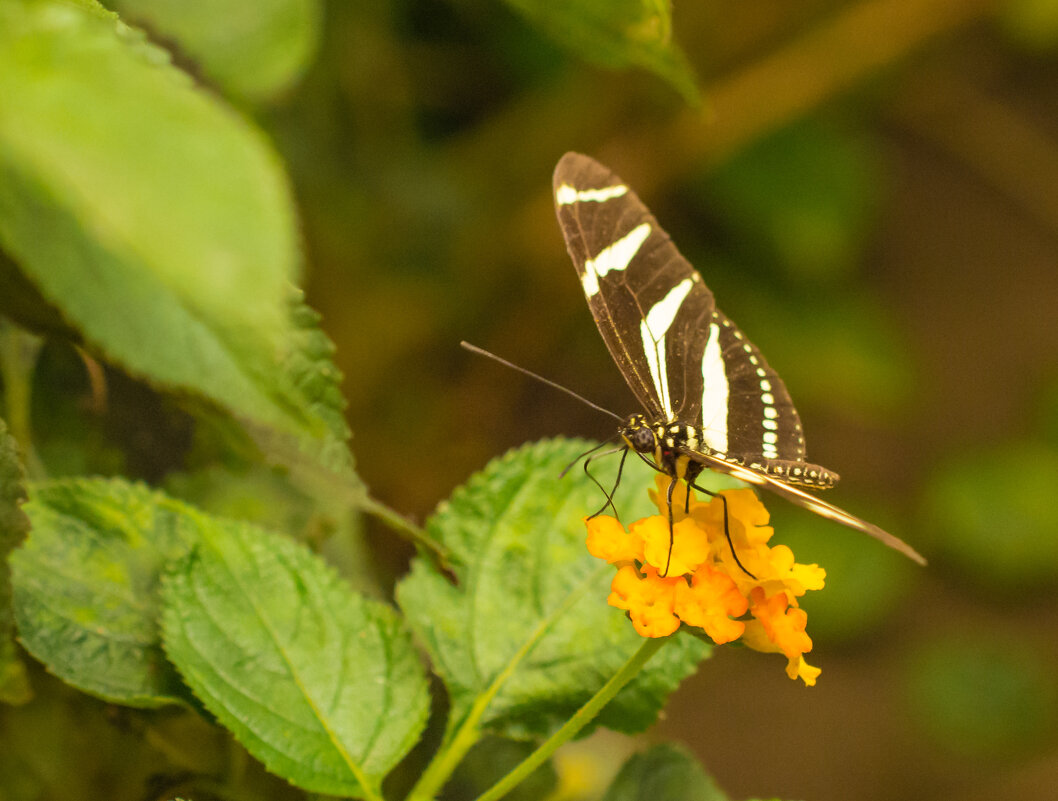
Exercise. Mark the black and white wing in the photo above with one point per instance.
(682, 357)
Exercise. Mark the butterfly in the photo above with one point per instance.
(710, 400)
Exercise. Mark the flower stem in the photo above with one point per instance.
(580, 719)
(467, 732)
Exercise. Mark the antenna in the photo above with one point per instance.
(481, 352)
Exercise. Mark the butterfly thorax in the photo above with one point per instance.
(669, 444)
(665, 443)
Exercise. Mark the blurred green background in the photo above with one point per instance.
(871, 191)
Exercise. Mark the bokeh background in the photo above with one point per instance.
(870, 189)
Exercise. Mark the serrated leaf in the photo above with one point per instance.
(321, 685)
(321, 461)
(13, 527)
(515, 534)
(156, 220)
(664, 773)
(86, 585)
(616, 33)
(252, 50)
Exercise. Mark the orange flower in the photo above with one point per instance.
(607, 539)
(709, 602)
(649, 600)
(703, 586)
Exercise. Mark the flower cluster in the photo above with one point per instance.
(703, 585)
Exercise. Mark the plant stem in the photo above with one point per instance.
(580, 719)
(400, 524)
(468, 732)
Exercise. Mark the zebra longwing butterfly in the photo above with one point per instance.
(710, 398)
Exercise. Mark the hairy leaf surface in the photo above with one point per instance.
(527, 620)
(86, 585)
(322, 685)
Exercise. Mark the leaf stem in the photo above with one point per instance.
(400, 524)
(580, 719)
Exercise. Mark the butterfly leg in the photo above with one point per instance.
(727, 530)
(672, 536)
(609, 495)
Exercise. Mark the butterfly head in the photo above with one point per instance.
(639, 434)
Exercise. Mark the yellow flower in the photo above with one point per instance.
(607, 539)
(710, 602)
(649, 600)
(690, 576)
(672, 554)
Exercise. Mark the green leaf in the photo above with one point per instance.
(321, 685)
(664, 773)
(22, 302)
(13, 527)
(527, 618)
(616, 34)
(86, 585)
(252, 50)
(319, 457)
(156, 220)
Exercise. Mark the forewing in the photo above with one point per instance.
(650, 305)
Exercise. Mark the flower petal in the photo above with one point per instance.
(783, 624)
(709, 602)
(607, 539)
(799, 669)
(675, 554)
(648, 599)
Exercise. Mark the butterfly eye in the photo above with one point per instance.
(642, 439)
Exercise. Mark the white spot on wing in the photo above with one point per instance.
(653, 329)
(566, 194)
(615, 257)
(714, 393)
